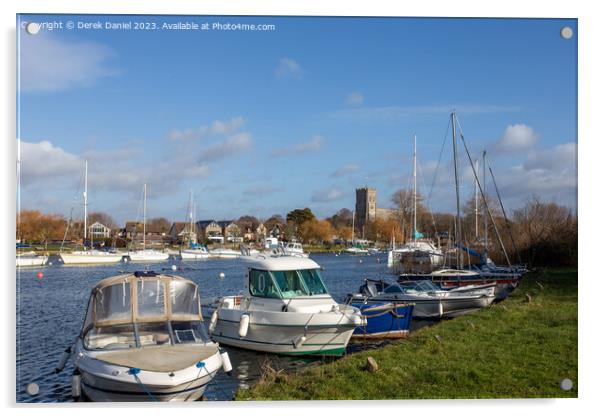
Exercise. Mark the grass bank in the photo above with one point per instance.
(513, 349)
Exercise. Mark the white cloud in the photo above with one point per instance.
(312, 146)
(328, 195)
(43, 162)
(51, 63)
(227, 147)
(289, 68)
(517, 138)
(345, 170)
(218, 127)
(561, 157)
(354, 98)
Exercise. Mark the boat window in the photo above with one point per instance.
(261, 284)
(154, 333)
(184, 298)
(113, 303)
(313, 281)
(151, 298)
(289, 283)
(115, 337)
(393, 289)
(186, 332)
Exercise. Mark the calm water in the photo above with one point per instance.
(50, 312)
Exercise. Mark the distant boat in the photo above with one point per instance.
(194, 251)
(294, 249)
(418, 245)
(91, 256)
(143, 339)
(354, 249)
(31, 259)
(146, 254)
(224, 253)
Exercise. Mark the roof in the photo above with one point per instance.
(279, 263)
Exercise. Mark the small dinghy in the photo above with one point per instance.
(429, 300)
(285, 309)
(143, 339)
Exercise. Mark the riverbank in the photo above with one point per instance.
(514, 349)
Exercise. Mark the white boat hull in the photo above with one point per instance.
(104, 382)
(194, 255)
(31, 261)
(224, 254)
(90, 258)
(147, 255)
(278, 332)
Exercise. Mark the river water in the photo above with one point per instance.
(50, 312)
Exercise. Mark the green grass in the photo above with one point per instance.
(513, 349)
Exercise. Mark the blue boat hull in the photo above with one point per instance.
(384, 319)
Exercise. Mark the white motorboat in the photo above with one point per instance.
(294, 249)
(355, 250)
(146, 255)
(143, 339)
(31, 259)
(285, 309)
(224, 253)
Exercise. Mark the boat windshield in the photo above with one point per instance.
(420, 286)
(286, 284)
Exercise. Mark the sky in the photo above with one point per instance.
(263, 122)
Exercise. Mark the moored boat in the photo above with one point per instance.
(30, 259)
(143, 339)
(429, 300)
(383, 319)
(224, 253)
(285, 309)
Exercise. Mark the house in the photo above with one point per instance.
(261, 232)
(276, 231)
(232, 232)
(98, 231)
(180, 233)
(211, 230)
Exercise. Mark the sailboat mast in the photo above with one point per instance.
(458, 228)
(485, 217)
(476, 204)
(414, 230)
(144, 221)
(85, 202)
(353, 228)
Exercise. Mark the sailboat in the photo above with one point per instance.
(148, 255)
(194, 251)
(354, 249)
(418, 248)
(91, 256)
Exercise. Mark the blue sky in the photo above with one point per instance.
(262, 122)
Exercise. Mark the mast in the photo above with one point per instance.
(353, 228)
(144, 221)
(191, 217)
(85, 203)
(414, 230)
(476, 204)
(485, 218)
(458, 228)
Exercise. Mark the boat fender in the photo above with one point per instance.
(243, 327)
(63, 361)
(76, 385)
(213, 322)
(226, 364)
(440, 309)
(298, 342)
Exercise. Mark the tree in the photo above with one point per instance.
(343, 232)
(248, 222)
(103, 218)
(404, 200)
(299, 216)
(274, 220)
(314, 231)
(159, 225)
(34, 226)
(383, 230)
(344, 217)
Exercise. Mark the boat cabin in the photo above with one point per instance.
(143, 309)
